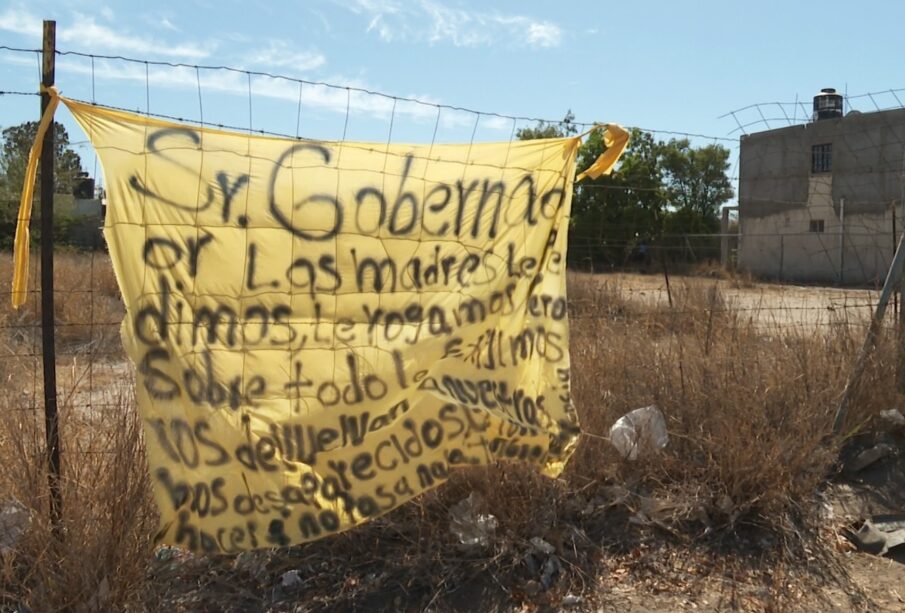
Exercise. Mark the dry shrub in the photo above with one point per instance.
(714, 270)
(748, 408)
(98, 557)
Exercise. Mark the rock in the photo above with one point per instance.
(893, 417)
(290, 579)
(542, 546)
(551, 569)
(98, 600)
(570, 600)
(14, 520)
(869, 456)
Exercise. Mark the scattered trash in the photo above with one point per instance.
(469, 526)
(879, 534)
(869, 456)
(290, 579)
(253, 563)
(551, 569)
(640, 430)
(570, 600)
(893, 417)
(14, 520)
(542, 546)
(99, 600)
(727, 507)
(541, 563)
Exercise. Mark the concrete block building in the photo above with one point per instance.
(822, 202)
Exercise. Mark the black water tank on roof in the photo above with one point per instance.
(83, 188)
(827, 105)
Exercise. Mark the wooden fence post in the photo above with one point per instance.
(48, 345)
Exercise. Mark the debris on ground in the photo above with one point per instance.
(868, 457)
(472, 528)
(893, 417)
(14, 520)
(99, 600)
(550, 571)
(639, 431)
(542, 546)
(542, 564)
(879, 534)
(290, 579)
(570, 600)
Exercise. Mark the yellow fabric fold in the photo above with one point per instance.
(616, 138)
(21, 246)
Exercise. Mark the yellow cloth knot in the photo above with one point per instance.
(616, 138)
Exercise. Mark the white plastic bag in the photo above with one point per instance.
(638, 431)
(471, 528)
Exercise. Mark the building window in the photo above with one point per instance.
(816, 225)
(821, 158)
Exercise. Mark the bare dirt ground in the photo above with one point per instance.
(767, 304)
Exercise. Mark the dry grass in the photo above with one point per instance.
(88, 306)
(734, 493)
(99, 558)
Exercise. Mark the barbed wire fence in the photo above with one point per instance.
(772, 115)
(90, 361)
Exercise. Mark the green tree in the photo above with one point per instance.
(611, 215)
(17, 142)
(696, 186)
(544, 129)
(658, 188)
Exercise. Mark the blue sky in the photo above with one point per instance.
(664, 65)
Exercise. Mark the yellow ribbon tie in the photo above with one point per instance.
(21, 245)
(615, 137)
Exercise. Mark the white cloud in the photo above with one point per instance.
(325, 23)
(316, 96)
(544, 34)
(168, 25)
(91, 35)
(381, 27)
(373, 6)
(19, 21)
(107, 13)
(280, 53)
(497, 123)
(84, 32)
(435, 22)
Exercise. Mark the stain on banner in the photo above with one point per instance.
(324, 330)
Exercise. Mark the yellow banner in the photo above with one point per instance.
(324, 330)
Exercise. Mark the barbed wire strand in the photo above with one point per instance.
(258, 73)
